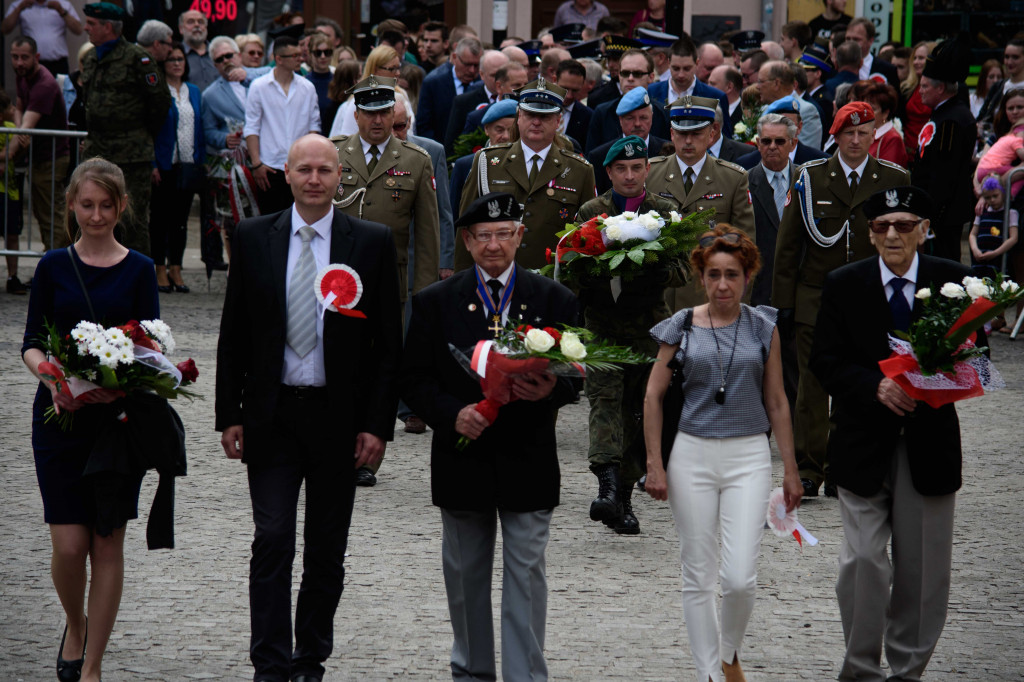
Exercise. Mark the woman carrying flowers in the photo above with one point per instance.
(99, 280)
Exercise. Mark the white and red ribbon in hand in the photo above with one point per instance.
(784, 523)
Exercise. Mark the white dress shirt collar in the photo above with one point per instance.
(911, 276)
(715, 150)
(697, 167)
(459, 86)
(865, 66)
(673, 95)
(847, 169)
(528, 155)
(503, 278)
(380, 147)
(770, 174)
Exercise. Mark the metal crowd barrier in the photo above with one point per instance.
(27, 164)
(1006, 233)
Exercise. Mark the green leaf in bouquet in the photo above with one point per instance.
(651, 246)
(616, 260)
(570, 257)
(637, 256)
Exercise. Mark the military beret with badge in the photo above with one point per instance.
(636, 98)
(852, 114)
(627, 148)
(904, 199)
(501, 109)
(495, 207)
(105, 11)
(783, 105)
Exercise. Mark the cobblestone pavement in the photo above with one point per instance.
(614, 609)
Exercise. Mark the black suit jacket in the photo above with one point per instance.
(804, 153)
(460, 109)
(945, 165)
(605, 92)
(888, 70)
(514, 464)
(851, 336)
(766, 230)
(597, 154)
(361, 356)
(826, 109)
(731, 150)
(579, 122)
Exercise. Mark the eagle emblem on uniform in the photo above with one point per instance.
(372, 82)
(629, 149)
(541, 85)
(855, 118)
(891, 199)
(493, 210)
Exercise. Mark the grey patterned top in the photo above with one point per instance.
(743, 413)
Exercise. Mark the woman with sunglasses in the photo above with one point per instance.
(720, 470)
(382, 62)
(250, 50)
(321, 51)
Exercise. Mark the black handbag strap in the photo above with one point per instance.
(85, 292)
(687, 326)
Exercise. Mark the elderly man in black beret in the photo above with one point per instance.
(896, 461)
(509, 471)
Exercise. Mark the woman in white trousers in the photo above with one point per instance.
(718, 476)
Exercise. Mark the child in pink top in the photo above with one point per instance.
(1000, 157)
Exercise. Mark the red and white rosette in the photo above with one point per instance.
(784, 523)
(338, 288)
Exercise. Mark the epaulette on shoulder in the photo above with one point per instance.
(416, 147)
(573, 155)
(732, 166)
(658, 159)
(811, 163)
(894, 166)
(340, 138)
(500, 145)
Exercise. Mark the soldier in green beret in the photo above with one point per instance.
(126, 102)
(549, 179)
(622, 312)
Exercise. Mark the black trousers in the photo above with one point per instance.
(278, 197)
(169, 207)
(304, 450)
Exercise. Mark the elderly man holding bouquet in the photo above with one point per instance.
(509, 471)
(622, 310)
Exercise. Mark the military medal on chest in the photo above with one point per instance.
(494, 312)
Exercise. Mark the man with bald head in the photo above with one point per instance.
(516, 54)
(709, 58)
(484, 93)
(284, 370)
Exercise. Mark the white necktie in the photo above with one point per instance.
(301, 331)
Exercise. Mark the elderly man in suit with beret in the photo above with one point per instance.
(509, 471)
(896, 461)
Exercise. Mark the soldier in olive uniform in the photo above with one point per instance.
(551, 181)
(126, 102)
(698, 181)
(622, 312)
(389, 181)
(823, 227)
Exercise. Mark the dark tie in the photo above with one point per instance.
(495, 286)
(853, 182)
(533, 171)
(374, 153)
(688, 180)
(898, 304)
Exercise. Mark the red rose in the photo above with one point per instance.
(555, 334)
(547, 256)
(189, 372)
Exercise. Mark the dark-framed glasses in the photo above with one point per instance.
(224, 57)
(625, 73)
(323, 53)
(769, 141)
(709, 239)
(902, 226)
(501, 235)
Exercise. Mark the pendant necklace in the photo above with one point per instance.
(724, 373)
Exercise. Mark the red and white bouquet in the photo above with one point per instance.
(625, 245)
(938, 361)
(130, 357)
(520, 350)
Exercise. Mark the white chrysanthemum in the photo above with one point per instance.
(89, 375)
(109, 356)
(96, 347)
(539, 341)
(572, 347)
(675, 217)
(159, 330)
(1010, 286)
(923, 294)
(951, 290)
(83, 349)
(126, 356)
(115, 337)
(976, 288)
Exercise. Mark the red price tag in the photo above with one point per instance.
(218, 10)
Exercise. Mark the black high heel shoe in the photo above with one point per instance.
(181, 288)
(165, 289)
(71, 671)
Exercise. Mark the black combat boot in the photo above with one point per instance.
(606, 505)
(627, 524)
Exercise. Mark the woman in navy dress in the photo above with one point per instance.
(121, 286)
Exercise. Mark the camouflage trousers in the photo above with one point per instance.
(616, 415)
(133, 230)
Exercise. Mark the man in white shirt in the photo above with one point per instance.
(280, 109)
(47, 22)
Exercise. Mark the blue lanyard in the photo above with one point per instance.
(485, 293)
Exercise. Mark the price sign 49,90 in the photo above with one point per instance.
(217, 10)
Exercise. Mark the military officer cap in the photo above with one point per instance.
(532, 50)
(588, 50)
(905, 199)
(568, 34)
(692, 113)
(949, 61)
(495, 207)
(744, 41)
(541, 97)
(852, 114)
(500, 109)
(373, 93)
(651, 38)
(107, 11)
(614, 46)
(626, 149)
(816, 56)
(633, 100)
(783, 105)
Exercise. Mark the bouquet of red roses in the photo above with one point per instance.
(938, 361)
(127, 358)
(520, 350)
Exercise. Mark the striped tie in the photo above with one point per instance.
(301, 334)
(780, 193)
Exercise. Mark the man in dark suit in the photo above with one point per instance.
(946, 147)
(802, 153)
(636, 115)
(509, 470)
(848, 60)
(896, 461)
(725, 148)
(483, 93)
(304, 397)
(862, 32)
(572, 76)
(683, 81)
(443, 85)
(614, 47)
(636, 71)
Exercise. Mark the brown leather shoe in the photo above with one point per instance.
(733, 671)
(415, 425)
